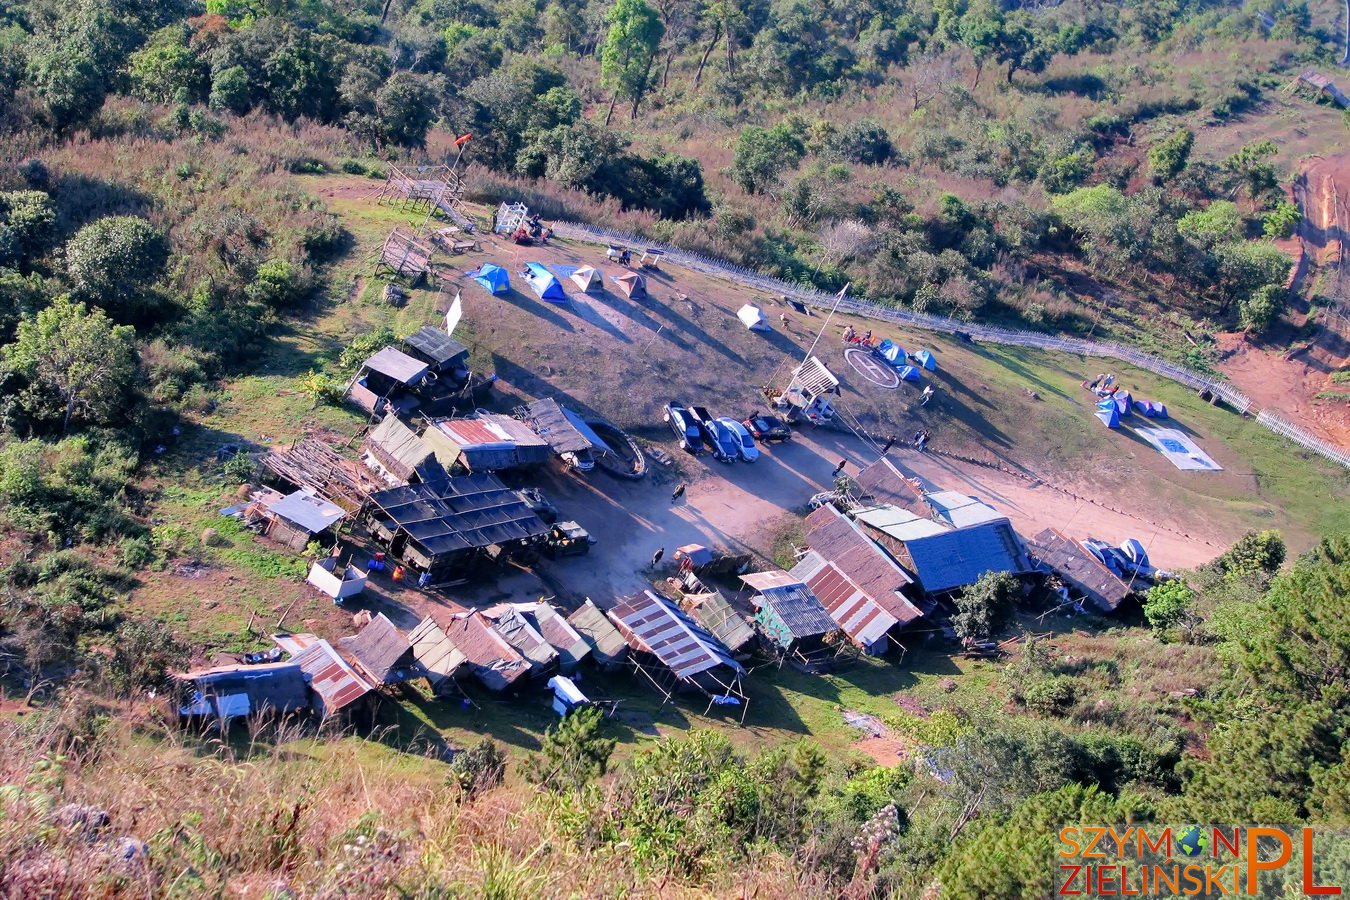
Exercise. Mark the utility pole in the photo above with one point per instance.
(839, 298)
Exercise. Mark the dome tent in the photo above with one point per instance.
(544, 283)
(926, 360)
(494, 278)
(752, 318)
(587, 278)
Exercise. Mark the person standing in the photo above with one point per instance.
(656, 557)
(679, 492)
(890, 442)
(839, 468)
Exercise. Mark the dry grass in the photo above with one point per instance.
(281, 812)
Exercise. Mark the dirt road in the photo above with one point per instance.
(741, 508)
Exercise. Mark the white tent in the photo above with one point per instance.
(752, 318)
(587, 278)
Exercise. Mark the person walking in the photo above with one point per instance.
(890, 442)
(656, 557)
(679, 492)
(923, 440)
(927, 394)
(839, 468)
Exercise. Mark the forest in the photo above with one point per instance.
(1066, 166)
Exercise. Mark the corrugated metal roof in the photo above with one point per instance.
(763, 581)
(962, 511)
(435, 346)
(493, 659)
(955, 559)
(474, 433)
(862, 618)
(512, 624)
(900, 524)
(715, 613)
(886, 483)
(308, 510)
(380, 650)
(336, 683)
(460, 513)
(278, 686)
(1083, 572)
(438, 657)
(555, 629)
(843, 543)
(604, 639)
(814, 376)
(655, 625)
(397, 365)
(799, 609)
(563, 429)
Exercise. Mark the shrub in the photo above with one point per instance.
(480, 767)
(1169, 604)
(1281, 221)
(985, 607)
(573, 753)
(863, 141)
(113, 261)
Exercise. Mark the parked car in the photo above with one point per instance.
(568, 539)
(723, 445)
(687, 430)
(745, 443)
(767, 428)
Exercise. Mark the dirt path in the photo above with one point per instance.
(742, 507)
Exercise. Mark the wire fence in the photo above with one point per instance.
(945, 324)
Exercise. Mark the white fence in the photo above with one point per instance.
(1017, 337)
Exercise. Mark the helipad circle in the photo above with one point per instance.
(871, 368)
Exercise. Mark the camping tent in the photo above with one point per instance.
(751, 317)
(544, 283)
(926, 360)
(587, 278)
(909, 373)
(1150, 408)
(892, 352)
(1108, 413)
(494, 278)
(1123, 402)
(633, 285)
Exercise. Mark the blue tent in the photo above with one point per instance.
(1123, 403)
(1108, 413)
(892, 352)
(925, 358)
(543, 283)
(1150, 408)
(909, 373)
(494, 278)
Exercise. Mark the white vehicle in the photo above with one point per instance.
(745, 443)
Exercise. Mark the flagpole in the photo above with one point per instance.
(839, 298)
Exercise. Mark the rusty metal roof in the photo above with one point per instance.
(652, 624)
(867, 565)
(1083, 572)
(338, 684)
(381, 651)
(861, 617)
(494, 660)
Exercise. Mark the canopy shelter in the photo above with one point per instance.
(926, 360)
(442, 528)
(494, 278)
(1108, 413)
(752, 317)
(673, 651)
(587, 278)
(632, 285)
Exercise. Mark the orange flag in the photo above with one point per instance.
(462, 139)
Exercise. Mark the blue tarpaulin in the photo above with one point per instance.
(494, 278)
(925, 358)
(543, 283)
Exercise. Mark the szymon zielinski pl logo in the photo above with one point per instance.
(1201, 861)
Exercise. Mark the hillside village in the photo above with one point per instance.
(673, 448)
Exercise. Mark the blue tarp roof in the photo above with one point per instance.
(925, 358)
(543, 283)
(494, 278)
(954, 559)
